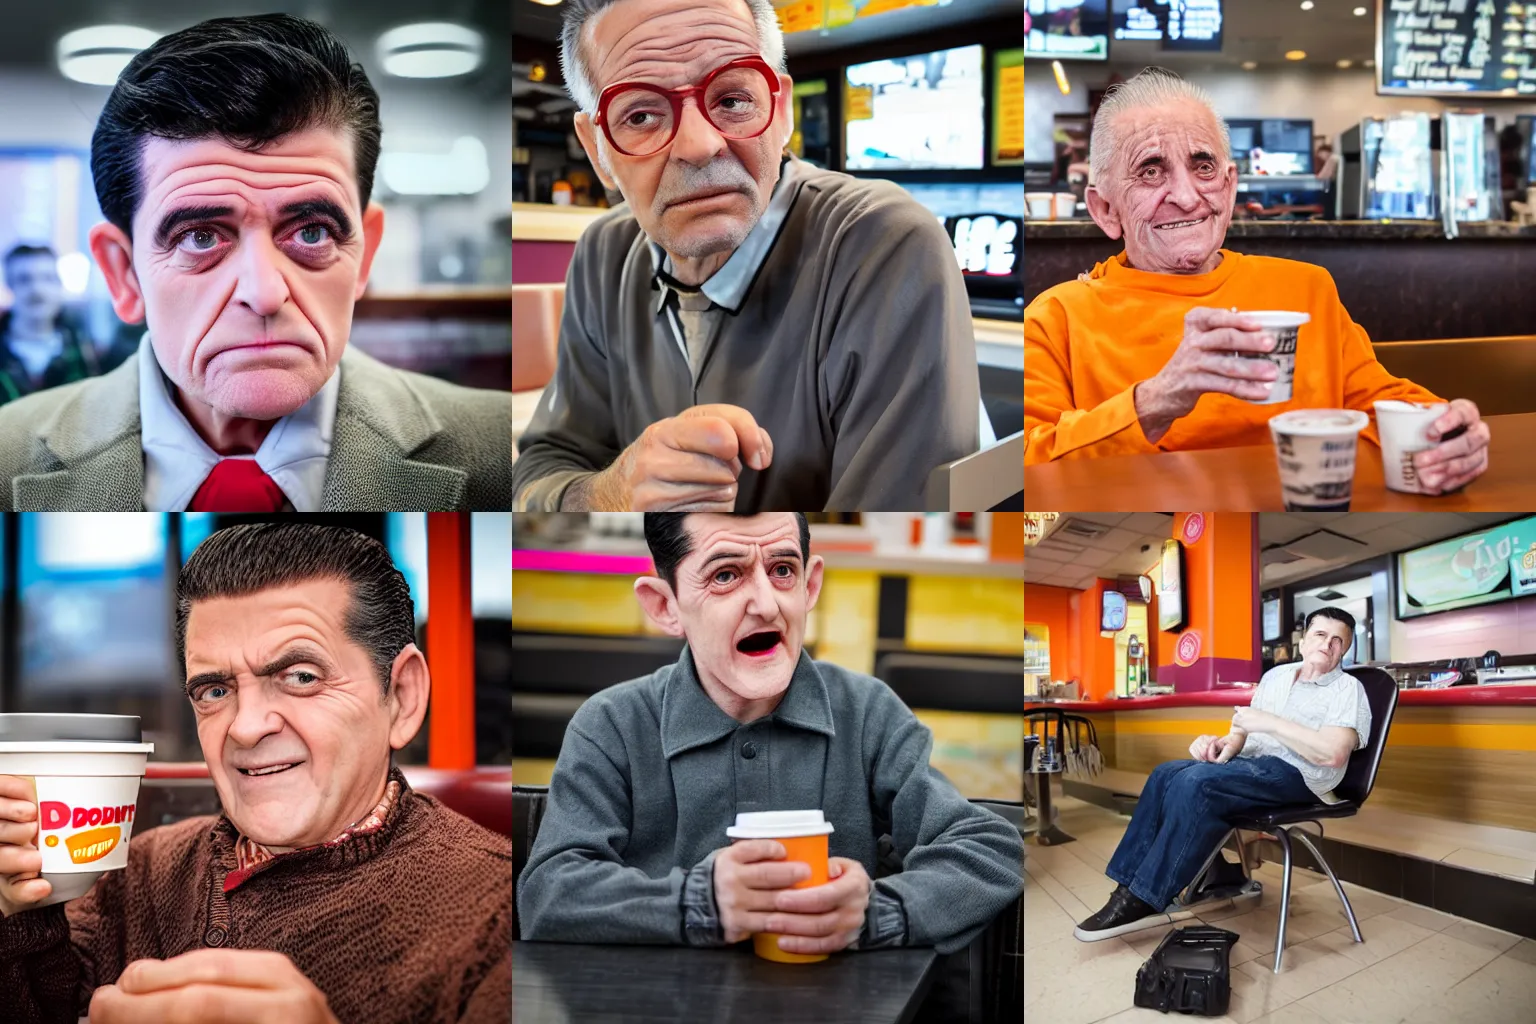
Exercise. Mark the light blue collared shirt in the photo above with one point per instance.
(177, 460)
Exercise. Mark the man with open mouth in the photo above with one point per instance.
(1146, 353)
(328, 890)
(632, 846)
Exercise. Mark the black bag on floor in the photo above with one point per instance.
(1189, 972)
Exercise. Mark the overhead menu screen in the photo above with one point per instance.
(1067, 29)
(1176, 24)
(1456, 47)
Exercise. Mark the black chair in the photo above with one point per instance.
(527, 812)
(1283, 823)
(557, 672)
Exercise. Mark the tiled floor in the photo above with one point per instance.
(1416, 966)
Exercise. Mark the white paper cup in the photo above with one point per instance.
(1066, 205)
(1315, 449)
(1039, 205)
(1285, 327)
(1402, 427)
(87, 792)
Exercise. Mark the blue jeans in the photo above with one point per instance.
(1183, 813)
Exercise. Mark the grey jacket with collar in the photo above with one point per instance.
(652, 772)
(402, 442)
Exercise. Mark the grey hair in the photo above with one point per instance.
(580, 13)
(1154, 87)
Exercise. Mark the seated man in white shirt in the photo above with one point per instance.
(234, 163)
(1290, 745)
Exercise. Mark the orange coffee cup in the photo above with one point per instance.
(803, 835)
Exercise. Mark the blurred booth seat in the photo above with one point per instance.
(948, 682)
(175, 791)
(1493, 372)
(557, 673)
(536, 310)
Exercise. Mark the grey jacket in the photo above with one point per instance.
(403, 442)
(652, 773)
(852, 346)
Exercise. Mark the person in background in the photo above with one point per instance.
(1142, 354)
(42, 347)
(1326, 165)
(1290, 745)
(632, 847)
(234, 162)
(747, 332)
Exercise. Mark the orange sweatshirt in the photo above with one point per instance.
(1088, 343)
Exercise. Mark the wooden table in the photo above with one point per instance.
(559, 983)
(1248, 480)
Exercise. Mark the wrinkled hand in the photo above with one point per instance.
(685, 463)
(229, 986)
(1204, 363)
(748, 875)
(20, 861)
(1253, 720)
(823, 918)
(1462, 459)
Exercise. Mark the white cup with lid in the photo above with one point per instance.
(1315, 449)
(1403, 428)
(803, 834)
(1285, 327)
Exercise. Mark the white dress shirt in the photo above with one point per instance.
(177, 460)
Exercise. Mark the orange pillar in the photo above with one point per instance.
(1094, 654)
(450, 642)
(1219, 644)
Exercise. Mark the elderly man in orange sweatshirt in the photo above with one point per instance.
(1139, 355)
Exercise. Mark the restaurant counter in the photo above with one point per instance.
(1462, 754)
(1401, 280)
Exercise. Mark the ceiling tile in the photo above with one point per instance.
(1093, 559)
(1327, 545)
(1389, 538)
(1158, 524)
(1115, 541)
(1105, 518)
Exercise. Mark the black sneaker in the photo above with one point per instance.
(1123, 913)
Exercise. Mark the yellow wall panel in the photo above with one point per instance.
(969, 614)
(845, 619)
(562, 602)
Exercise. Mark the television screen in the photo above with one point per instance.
(1176, 24)
(1271, 145)
(1113, 619)
(1478, 568)
(1066, 29)
(918, 112)
(1170, 588)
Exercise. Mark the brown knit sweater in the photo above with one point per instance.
(411, 924)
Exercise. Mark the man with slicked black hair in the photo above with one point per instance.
(234, 164)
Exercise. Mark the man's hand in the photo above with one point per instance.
(823, 918)
(748, 875)
(1217, 749)
(20, 861)
(230, 986)
(1251, 719)
(1204, 363)
(686, 463)
(1460, 460)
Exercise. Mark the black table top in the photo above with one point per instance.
(560, 983)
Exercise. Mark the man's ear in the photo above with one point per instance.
(113, 252)
(1101, 212)
(587, 133)
(786, 109)
(410, 686)
(813, 581)
(660, 604)
(373, 234)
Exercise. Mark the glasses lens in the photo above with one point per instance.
(640, 121)
(739, 103)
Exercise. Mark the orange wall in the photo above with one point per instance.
(1221, 595)
(1096, 654)
(1051, 607)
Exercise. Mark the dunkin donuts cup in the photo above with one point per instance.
(87, 770)
(804, 837)
(1316, 452)
(1284, 327)
(1402, 427)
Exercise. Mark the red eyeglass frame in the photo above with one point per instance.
(676, 97)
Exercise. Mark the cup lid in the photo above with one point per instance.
(779, 825)
(1276, 317)
(1398, 405)
(1319, 422)
(22, 728)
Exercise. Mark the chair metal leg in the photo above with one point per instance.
(1206, 867)
(1284, 836)
(1317, 854)
(1242, 851)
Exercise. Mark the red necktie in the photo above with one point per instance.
(237, 485)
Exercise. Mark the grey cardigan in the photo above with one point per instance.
(652, 772)
(403, 442)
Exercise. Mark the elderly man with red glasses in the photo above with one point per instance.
(748, 332)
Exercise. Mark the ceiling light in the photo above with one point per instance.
(463, 170)
(97, 55)
(1370, 63)
(74, 272)
(1307, 5)
(1061, 78)
(430, 49)
(1295, 54)
(1360, 12)
(548, 3)
(1249, 65)
(1346, 63)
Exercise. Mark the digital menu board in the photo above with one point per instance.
(919, 112)
(1066, 29)
(1007, 108)
(1478, 568)
(1456, 47)
(1176, 24)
